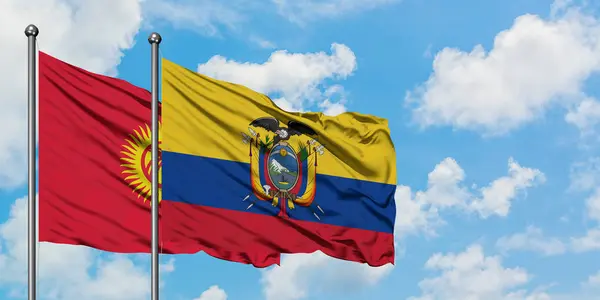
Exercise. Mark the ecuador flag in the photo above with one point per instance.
(245, 181)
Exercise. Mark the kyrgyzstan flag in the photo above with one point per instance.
(94, 159)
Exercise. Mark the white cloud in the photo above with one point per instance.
(68, 30)
(213, 293)
(593, 205)
(471, 275)
(589, 290)
(585, 176)
(532, 239)
(586, 116)
(168, 267)
(297, 77)
(65, 271)
(532, 66)
(589, 242)
(203, 16)
(301, 273)
(417, 214)
(444, 185)
(446, 190)
(332, 108)
(593, 281)
(496, 198)
(302, 11)
(427, 53)
(262, 43)
(213, 17)
(335, 101)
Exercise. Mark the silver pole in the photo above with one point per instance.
(31, 32)
(154, 39)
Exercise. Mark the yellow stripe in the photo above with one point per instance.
(207, 117)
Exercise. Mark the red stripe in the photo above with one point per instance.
(246, 237)
(257, 239)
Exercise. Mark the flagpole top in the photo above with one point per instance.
(32, 30)
(154, 38)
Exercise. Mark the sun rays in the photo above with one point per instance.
(136, 162)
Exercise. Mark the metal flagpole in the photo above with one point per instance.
(154, 39)
(31, 32)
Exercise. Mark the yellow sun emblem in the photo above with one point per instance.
(136, 161)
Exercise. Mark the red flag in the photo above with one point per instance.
(85, 121)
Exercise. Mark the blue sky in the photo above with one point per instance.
(493, 107)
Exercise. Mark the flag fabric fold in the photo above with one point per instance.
(246, 181)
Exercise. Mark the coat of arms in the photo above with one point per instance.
(283, 165)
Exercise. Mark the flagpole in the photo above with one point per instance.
(154, 39)
(31, 32)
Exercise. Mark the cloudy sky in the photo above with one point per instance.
(494, 108)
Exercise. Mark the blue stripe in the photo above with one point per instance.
(224, 184)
